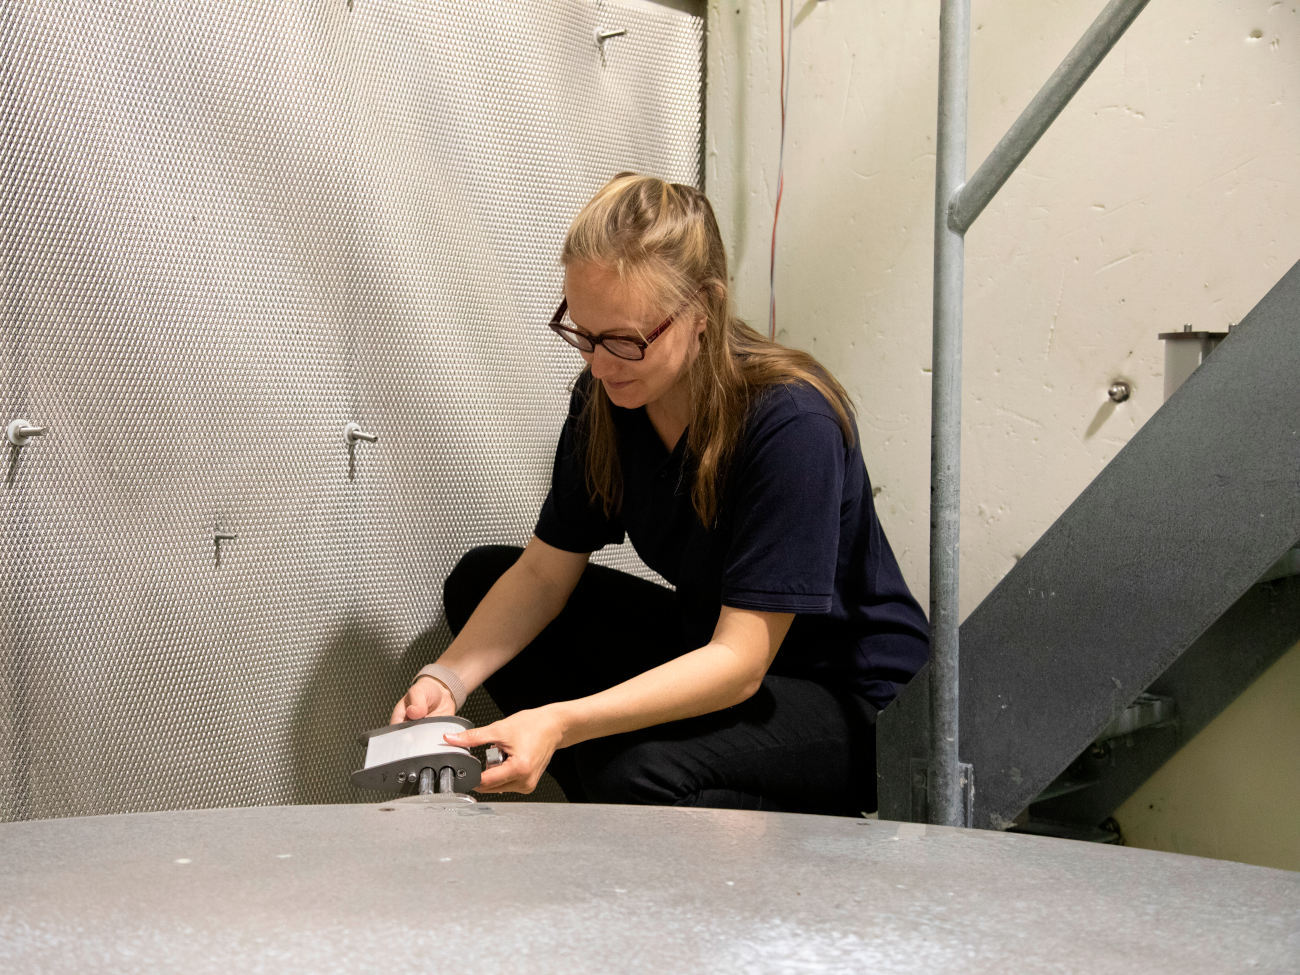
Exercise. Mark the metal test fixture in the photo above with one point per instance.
(413, 757)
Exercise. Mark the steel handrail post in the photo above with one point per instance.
(957, 204)
(944, 775)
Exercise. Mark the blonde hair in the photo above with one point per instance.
(662, 239)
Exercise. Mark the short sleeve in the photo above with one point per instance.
(570, 520)
(787, 486)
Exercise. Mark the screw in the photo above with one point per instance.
(401, 776)
(460, 773)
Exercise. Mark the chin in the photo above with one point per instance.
(628, 396)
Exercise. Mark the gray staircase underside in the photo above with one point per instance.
(1170, 536)
(1258, 629)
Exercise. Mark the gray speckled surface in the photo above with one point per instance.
(564, 888)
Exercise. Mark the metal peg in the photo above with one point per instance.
(353, 432)
(1119, 391)
(20, 431)
(220, 537)
(603, 35)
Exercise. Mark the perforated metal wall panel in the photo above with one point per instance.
(230, 229)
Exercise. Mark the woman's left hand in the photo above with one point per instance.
(528, 738)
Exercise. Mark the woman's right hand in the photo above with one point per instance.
(426, 697)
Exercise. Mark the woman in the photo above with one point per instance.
(732, 464)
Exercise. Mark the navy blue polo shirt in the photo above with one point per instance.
(796, 532)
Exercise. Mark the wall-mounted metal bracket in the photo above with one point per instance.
(1184, 353)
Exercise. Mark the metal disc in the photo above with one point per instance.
(565, 888)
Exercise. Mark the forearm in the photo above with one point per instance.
(727, 670)
(515, 610)
(704, 680)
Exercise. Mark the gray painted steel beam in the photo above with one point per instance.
(1185, 519)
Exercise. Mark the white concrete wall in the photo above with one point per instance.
(1168, 192)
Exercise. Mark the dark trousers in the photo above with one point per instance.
(795, 746)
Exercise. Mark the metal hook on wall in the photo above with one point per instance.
(20, 431)
(607, 34)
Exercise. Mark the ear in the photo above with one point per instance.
(704, 293)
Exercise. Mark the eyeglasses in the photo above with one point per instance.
(623, 346)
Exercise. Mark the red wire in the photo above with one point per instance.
(780, 186)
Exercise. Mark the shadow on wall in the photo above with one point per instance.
(351, 689)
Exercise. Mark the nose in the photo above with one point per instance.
(602, 362)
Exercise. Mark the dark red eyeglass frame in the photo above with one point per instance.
(595, 340)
